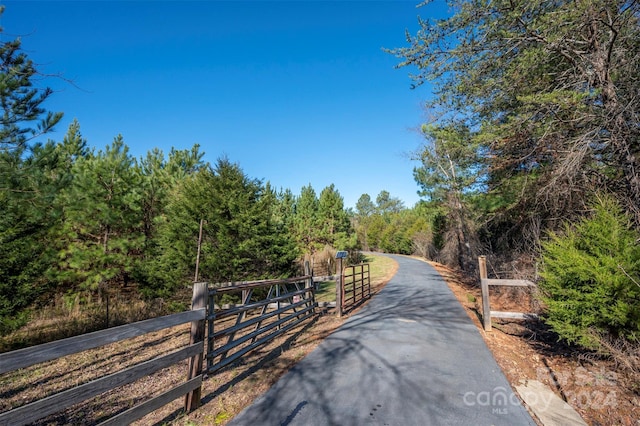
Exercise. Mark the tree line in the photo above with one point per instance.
(76, 220)
(532, 150)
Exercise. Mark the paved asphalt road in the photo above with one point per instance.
(411, 356)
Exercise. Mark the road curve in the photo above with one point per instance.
(411, 356)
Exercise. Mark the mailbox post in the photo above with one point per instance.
(340, 255)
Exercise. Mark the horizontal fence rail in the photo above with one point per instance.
(27, 357)
(261, 311)
(23, 358)
(356, 285)
(485, 283)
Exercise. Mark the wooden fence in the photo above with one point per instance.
(267, 309)
(264, 310)
(23, 358)
(356, 285)
(485, 282)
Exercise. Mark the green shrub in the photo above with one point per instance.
(591, 278)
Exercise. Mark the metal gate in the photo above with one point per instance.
(356, 285)
(244, 316)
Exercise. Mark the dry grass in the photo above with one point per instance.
(82, 313)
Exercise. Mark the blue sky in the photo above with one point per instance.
(296, 92)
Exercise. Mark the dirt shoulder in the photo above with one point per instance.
(595, 387)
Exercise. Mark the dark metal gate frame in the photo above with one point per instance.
(288, 303)
(355, 285)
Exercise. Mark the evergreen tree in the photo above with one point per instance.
(306, 221)
(240, 238)
(420, 233)
(23, 117)
(102, 229)
(591, 278)
(23, 228)
(364, 209)
(364, 206)
(159, 176)
(376, 226)
(381, 226)
(450, 171)
(332, 217)
(385, 203)
(284, 209)
(26, 183)
(171, 263)
(240, 229)
(30, 220)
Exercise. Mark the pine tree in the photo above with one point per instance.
(333, 219)
(21, 118)
(102, 229)
(26, 184)
(284, 209)
(364, 209)
(241, 240)
(385, 203)
(306, 222)
(159, 176)
(450, 171)
(364, 206)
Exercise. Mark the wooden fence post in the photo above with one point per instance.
(198, 301)
(339, 287)
(484, 286)
(195, 277)
(307, 271)
(309, 284)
